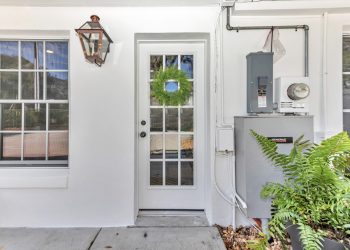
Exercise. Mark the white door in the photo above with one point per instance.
(171, 151)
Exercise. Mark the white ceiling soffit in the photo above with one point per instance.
(106, 3)
(290, 7)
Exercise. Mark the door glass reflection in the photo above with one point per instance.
(171, 146)
(187, 119)
(187, 173)
(156, 146)
(156, 118)
(171, 120)
(187, 146)
(156, 173)
(171, 173)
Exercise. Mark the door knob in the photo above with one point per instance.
(143, 134)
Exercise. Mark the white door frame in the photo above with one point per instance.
(176, 38)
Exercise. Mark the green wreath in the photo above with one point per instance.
(180, 96)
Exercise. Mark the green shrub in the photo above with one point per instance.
(315, 194)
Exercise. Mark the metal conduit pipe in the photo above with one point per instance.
(282, 27)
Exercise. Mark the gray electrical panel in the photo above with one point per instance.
(259, 82)
(253, 170)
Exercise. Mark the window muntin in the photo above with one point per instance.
(34, 106)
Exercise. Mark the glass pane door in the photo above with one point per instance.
(171, 128)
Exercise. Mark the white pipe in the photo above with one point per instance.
(325, 73)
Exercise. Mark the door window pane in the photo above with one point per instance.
(8, 85)
(34, 116)
(8, 55)
(10, 116)
(187, 65)
(10, 146)
(187, 173)
(171, 120)
(156, 146)
(171, 61)
(32, 85)
(34, 146)
(57, 85)
(156, 65)
(156, 173)
(171, 146)
(156, 119)
(153, 100)
(187, 146)
(57, 55)
(346, 91)
(171, 173)
(187, 119)
(190, 101)
(31, 55)
(58, 116)
(58, 146)
(346, 121)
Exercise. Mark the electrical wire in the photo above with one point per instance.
(219, 51)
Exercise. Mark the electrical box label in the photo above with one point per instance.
(262, 86)
(281, 139)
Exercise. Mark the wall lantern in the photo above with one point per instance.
(94, 41)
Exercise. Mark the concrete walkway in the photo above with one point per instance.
(150, 233)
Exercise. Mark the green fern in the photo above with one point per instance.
(261, 243)
(315, 192)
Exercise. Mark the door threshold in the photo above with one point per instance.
(171, 212)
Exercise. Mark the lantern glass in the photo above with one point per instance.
(94, 40)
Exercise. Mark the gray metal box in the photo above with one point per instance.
(259, 82)
(253, 170)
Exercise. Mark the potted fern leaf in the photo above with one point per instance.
(313, 203)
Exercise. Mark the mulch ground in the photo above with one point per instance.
(238, 239)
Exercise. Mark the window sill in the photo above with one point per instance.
(34, 177)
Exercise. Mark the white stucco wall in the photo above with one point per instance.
(101, 179)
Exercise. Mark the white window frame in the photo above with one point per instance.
(46, 162)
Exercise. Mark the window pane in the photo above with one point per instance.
(187, 65)
(58, 146)
(34, 146)
(10, 146)
(32, 85)
(190, 101)
(58, 117)
(35, 116)
(156, 65)
(156, 146)
(156, 173)
(8, 55)
(346, 91)
(346, 121)
(171, 61)
(153, 100)
(187, 173)
(171, 146)
(8, 85)
(346, 54)
(11, 116)
(57, 85)
(31, 55)
(171, 173)
(187, 146)
(156, 120)
(187, 119)
(57, 55)
(171, 120)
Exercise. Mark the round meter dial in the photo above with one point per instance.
(298, 91)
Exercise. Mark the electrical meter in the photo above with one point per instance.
(292, 94)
